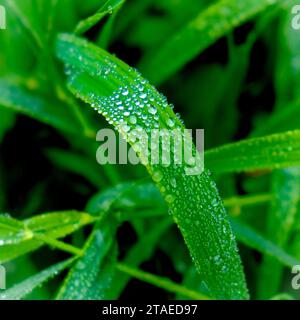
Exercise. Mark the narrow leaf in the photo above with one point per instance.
(24, 288)
(52, 225)
(270, 152)
(82, 280)
(280, 224)
(201, 32)
(103, 81)
(107, 8)
(12, 230)
(246, 235)
(161, 282)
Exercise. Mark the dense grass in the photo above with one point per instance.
(72, 229)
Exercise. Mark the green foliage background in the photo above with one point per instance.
(72, 229)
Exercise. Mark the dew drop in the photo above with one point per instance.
(173, 182)
(157, 176)
(132, 119)
(152, 110)
(170, 123)
(170, 198)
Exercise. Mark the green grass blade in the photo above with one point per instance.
(107, 8)
(210, 25)
(51, 225)
(57, 223)
(82, 282)
(270, 152)
(24, 288)
(98, 78)
(160, 282)
(286, 73)
(280, 224)
(105, 36)
(12, 231)
(248, 236)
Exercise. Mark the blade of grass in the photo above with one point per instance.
(12, 231)
(161, 282)
(52, 225)
(210, 25)
(280, 224)
(97, 282)
(97, 78)
(270, 152)
(248, 236)
(82, 280)
(107, 8)
(105, 36)
(24, 288)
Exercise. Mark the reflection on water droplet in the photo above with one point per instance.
(170, 123)
(132, 119)
(152, 110)
(173, 182)
(157, 176)
(170, 198)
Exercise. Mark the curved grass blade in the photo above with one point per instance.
(209, 26)
(103, 81)
(24, 288)
(270, 152)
